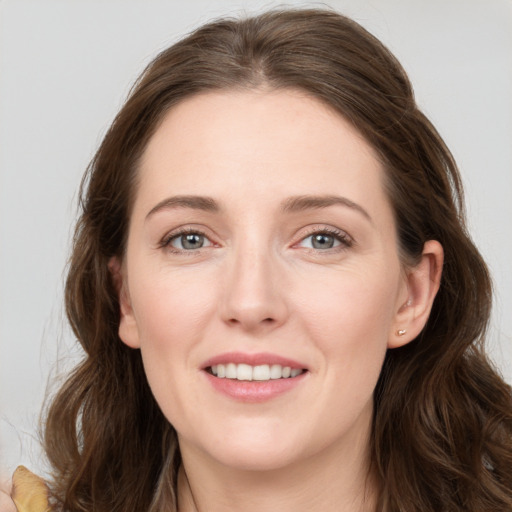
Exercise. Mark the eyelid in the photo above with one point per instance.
(165, 242)
(342, 236)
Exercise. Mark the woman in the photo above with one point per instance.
(278, 300)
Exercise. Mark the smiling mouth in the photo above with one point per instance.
(246, 372)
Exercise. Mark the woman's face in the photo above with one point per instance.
(261, 246)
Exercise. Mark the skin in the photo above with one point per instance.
(259, 285)
(6, 503)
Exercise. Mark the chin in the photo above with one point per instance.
(259, 446)
(257, 459)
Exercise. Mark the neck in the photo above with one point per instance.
(336, 480)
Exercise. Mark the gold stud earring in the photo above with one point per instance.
(401, 332)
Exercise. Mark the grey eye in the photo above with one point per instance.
(190, 241)
(321, 241)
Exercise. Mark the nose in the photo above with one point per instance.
(254, 298)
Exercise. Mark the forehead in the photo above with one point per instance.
(260, 144)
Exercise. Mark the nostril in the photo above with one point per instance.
(252, 323)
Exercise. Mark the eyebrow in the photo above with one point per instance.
(301, 203)
(293, 204)
(193, 202)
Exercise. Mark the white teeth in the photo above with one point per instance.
(244, 372)
(276, 371)
(231, 371)
(262, 372)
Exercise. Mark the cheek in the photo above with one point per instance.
(172, 312)
(349, 318)
(351, 304)
(172, 309)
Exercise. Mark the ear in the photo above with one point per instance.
(420, 288)
(128, 331)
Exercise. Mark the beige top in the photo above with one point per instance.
(29, 492)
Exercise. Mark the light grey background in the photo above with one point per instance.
(67, 65)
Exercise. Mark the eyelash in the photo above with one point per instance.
(168, 239)
(345, 240)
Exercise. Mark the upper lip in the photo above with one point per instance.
(252, 360)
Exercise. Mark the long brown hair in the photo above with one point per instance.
(442, 428)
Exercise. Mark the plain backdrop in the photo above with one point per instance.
(65, 69)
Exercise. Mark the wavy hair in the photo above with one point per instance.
(442, 425)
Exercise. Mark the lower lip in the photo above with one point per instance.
(254, 391)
